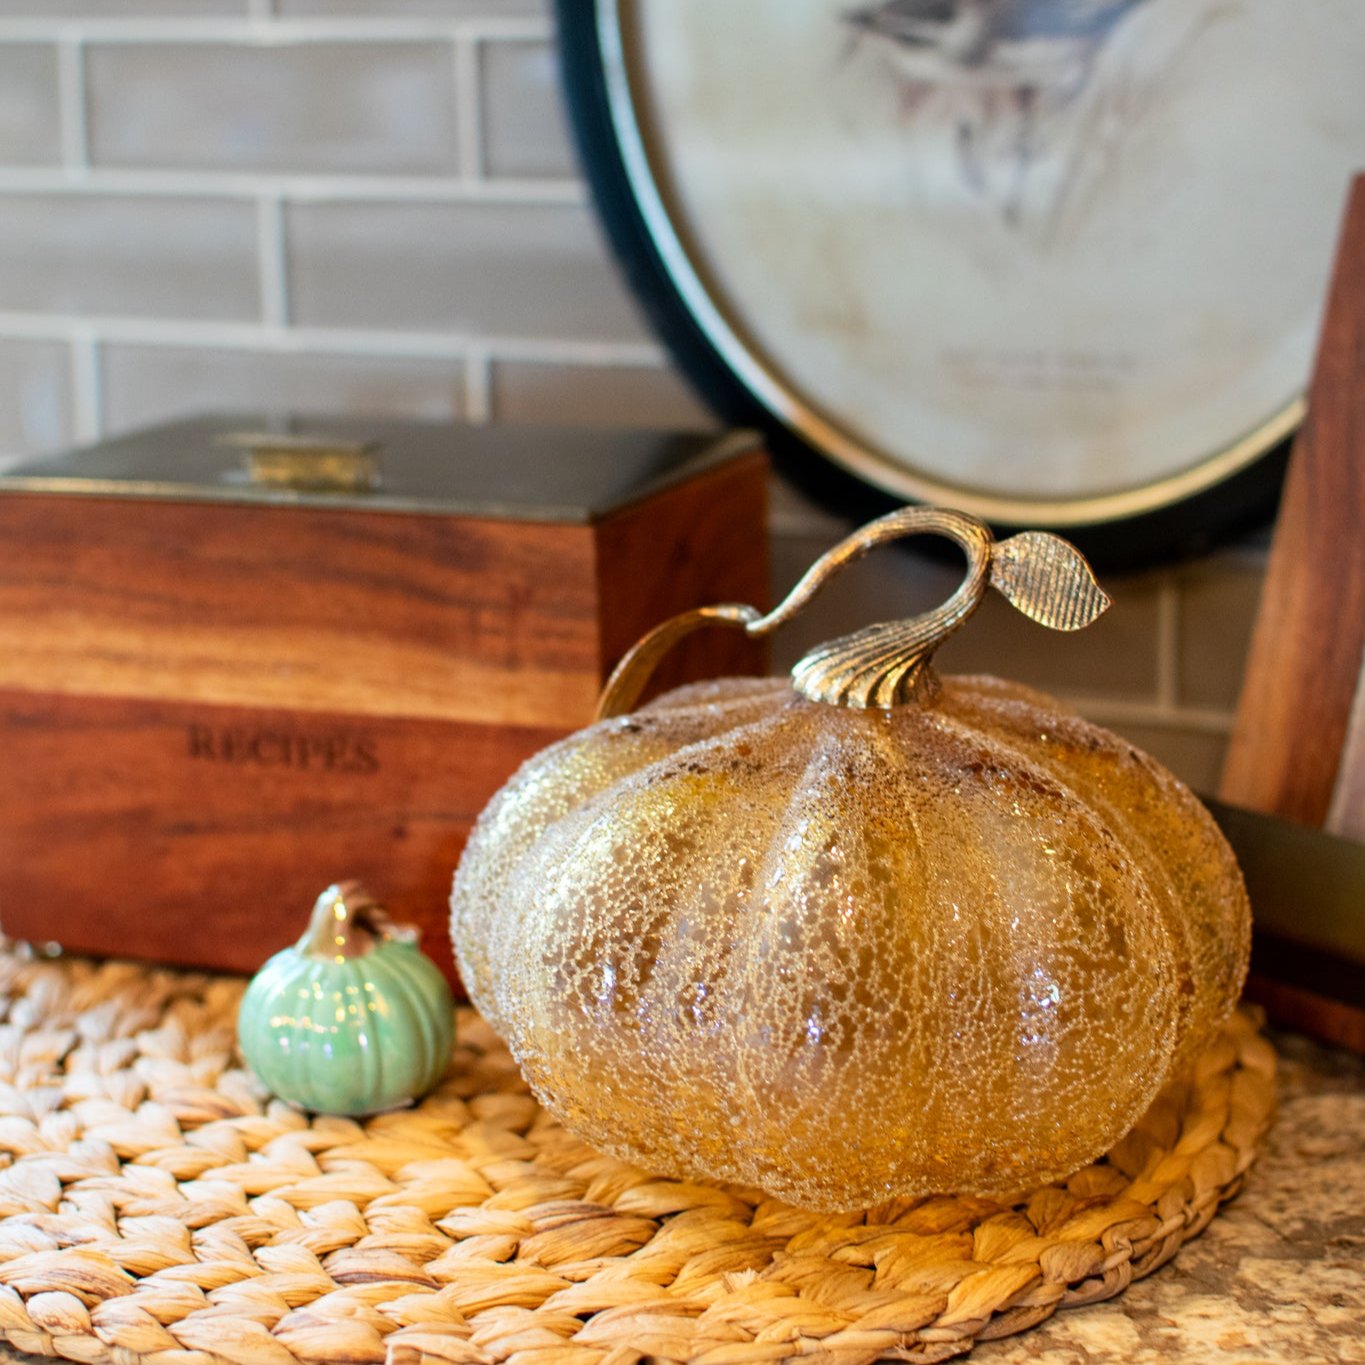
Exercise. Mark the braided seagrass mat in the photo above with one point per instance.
(158, 1207)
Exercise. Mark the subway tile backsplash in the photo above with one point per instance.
(374, 206)
(35, 395)
(82, 254)
(49, 10)
(595, 395)
(440, 9)
(374, 109)
(534, 271)
(145, 384)
(523, 117)
(29, 111)
(1217, 607)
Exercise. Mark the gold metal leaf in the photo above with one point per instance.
(1048, 579)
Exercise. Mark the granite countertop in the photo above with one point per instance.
(1278, 1276)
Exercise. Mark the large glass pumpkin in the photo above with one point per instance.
(861, 933)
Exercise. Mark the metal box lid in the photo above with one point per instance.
(521, 473)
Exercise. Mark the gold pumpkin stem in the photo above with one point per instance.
(886, 665)
(629, 677)
(348, 922)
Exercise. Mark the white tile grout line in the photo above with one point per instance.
(173, 332)
(271, 261)
(1168, 644)
(300, 187)
(87, 398)
(262, 27)
(468, 75)
(478, 386)
(71, 115)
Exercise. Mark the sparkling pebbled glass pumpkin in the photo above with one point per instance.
(867, 934)
(352, 1019)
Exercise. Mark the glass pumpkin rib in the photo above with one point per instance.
(561, 784)
(597, 953)
(415, 1034)
(269, 1044)
(914, 1079)
(362, 1084)
(303, 1055)
(1026, 753)
(1206, 906)
(548, 786)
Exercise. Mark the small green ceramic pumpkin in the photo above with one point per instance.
(352, 1019)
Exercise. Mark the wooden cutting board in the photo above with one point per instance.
(1298, 747)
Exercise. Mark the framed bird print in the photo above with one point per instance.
(1055, 262)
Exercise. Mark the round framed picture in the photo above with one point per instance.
(1059, 263)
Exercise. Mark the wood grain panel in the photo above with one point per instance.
(361, 612)
(1306, 652)
(202, 834)
(692, 546)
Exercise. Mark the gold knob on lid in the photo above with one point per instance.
(307, 462)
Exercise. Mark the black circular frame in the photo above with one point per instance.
(1190, 526)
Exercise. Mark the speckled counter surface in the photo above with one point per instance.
(1278, 1276)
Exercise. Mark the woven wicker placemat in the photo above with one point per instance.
(157, 1206)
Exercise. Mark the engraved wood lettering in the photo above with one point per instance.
(338, 751)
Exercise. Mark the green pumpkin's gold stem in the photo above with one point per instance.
(887, 664)
(348, 922)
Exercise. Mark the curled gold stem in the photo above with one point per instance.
(883, 665)
(629, 677)
(348, 922)
(887, 664)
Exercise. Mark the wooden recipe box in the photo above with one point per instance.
(242, 660)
